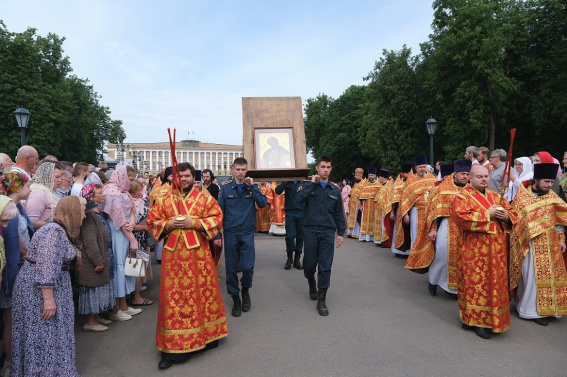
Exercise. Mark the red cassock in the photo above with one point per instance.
(482, 268)
(191, 310)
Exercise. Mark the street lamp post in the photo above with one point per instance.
(431, 125)
(22, 118)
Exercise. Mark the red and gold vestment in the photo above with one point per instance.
(278, 215)
(191, 310)
(263, 214)
(353, 204)
(423, 250)
(366, 199)
(382, 214)
(537, 218)
(482, 268)
(414, 194)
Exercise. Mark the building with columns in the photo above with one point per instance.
(152, 157)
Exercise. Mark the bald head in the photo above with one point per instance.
(479, 177)
(6, 162)
(27, 159)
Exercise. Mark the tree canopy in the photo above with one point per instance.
(487, 67)
(67, 119)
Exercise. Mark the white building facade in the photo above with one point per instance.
(152, 157)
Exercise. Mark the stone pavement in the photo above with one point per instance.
(382, 322)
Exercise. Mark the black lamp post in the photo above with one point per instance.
(22, 118)
(431, 125)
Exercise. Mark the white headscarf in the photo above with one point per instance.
(526, 175)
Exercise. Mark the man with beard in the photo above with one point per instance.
(191, 314)
(438, 243)
(483, 158)
(366, 200)
(399, 184)
(414, 199)
(208, 177)
(537, 268)
(353, 219)
(482, 266)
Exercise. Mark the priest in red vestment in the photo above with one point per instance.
(191, 314)
(482, 268)
(537, 269)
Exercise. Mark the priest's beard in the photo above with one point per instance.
(372, 180)
(188, 189)
(459, 184)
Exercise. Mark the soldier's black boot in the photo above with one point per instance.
(289, 261)
(312, 288)
(321, 305)
(237, 307)
(245, 300)
(297, 261)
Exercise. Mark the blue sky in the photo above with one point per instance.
(187, 64)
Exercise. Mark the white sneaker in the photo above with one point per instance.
(97, 328)
(133, 311)
(6, 369)
(120, 316)
(143, 288)
(103, 321)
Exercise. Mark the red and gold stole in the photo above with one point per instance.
(184, 208)
(536, 216)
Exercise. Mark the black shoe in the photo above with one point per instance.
(482, 332)
(467, 327)
(289, 261)
(432, 289)
(159, 262)
(312, 289)
(165, 363)
(542, 321)
(297, 261)
(237, 307)
(454, 296)
(245, 300)
(321, 305)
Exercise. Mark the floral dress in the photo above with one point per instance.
(44, 348)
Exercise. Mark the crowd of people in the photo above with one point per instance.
(67, 229)
(487, 230)
(70, 227)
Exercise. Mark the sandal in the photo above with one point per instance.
(146, 302)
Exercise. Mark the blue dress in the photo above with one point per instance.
(123, 285)
(44, 348)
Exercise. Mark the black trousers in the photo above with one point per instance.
(319, 249)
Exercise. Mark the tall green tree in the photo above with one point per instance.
(341, 138)
(315, 121)
(393, 128)
(467, 75)
(67, 119)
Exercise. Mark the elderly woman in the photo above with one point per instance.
(119, 205)
(42, 306)
(17, 235)
(43, 198)
(96, 288)
(8, 212)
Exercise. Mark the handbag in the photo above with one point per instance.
(134, 266)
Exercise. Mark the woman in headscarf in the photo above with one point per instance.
(523, 171)
(119, 206)
(43, 198)
(17, 236)
(141, 234)
(43, 340)
(96, 287)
